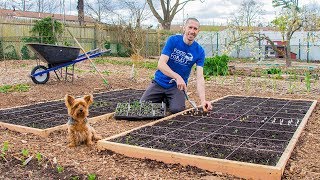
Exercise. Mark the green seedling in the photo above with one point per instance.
(25, 152)
(4, 149)
(92, 177)
(60, 169)
(75, 178)
(39, 157)
(308, 81)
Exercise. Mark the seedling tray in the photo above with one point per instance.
(139, 111)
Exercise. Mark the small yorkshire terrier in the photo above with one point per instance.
(79, 130)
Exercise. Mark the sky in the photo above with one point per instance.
(218, 11)
(210, 12)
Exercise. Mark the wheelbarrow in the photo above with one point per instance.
(57, 57)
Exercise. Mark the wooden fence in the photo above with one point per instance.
(14, 32)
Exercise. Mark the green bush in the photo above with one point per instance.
(1, 50)
(47, 29)
(273, 71)
(217, 65)
(25, 52)
(11, 53)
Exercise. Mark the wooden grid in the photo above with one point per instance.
(237, 168)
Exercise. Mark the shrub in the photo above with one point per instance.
(273, 71)
(217, 65)
(1, 50)
(47, 29)
(25, 52)
(11, 53)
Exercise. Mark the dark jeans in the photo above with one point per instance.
(173, 97)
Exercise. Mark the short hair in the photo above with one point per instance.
(192, 19)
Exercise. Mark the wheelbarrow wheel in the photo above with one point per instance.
(40, 79)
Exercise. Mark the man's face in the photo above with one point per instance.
(191, 30)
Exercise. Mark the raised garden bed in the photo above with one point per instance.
(252, 140)
(43, 118)
(135, 110)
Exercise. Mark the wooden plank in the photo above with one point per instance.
(240, 169)
(23, 129)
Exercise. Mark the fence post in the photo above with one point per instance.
(308, 46)
(217, 47)
(300, 49)
(259, 44)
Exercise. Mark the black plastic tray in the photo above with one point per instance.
(140, 111)
(53, 54)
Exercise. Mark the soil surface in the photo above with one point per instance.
(81, 161)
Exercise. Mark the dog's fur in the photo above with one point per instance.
(79, 130)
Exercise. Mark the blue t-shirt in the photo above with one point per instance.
(181, 59)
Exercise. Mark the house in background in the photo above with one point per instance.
(38, 15)
(281, 45)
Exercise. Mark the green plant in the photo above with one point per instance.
(5, 88)
(15, 88)
(10, 52)
(25, 52)
(273, 71)
(106, 72)
(39, 157)
(308, 81)
(92, 177)
(60, 169)
(4, 149)
(1, 49)
(47, 29)
(217, 65)
(25, 152)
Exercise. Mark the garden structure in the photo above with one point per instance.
(43, 118)
(249, 137)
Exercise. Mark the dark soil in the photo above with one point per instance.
(225, 135)
(41, 167)
(50, 114)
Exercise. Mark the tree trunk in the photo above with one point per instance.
(288, 55)
(166, 25)
(80, 8)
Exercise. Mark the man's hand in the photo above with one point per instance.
(206, 105)
(180, 83)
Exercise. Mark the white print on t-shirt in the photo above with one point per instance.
(181, 57)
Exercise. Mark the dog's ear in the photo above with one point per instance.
(88, 99)
(69, 100)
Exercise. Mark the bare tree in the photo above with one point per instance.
(22, 5)
(100, 9)
(138, 12)
(169, 10)
(48, 6)
(242, 22)
(80, 8)
(311, 17)
(4, 4)
(289, 21)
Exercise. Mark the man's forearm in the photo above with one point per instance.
(201, 89)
